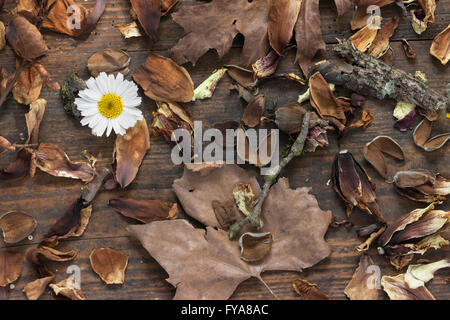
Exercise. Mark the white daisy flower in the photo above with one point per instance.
(109, 103)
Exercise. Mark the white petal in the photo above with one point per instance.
(133, 103)
(133, 111)
(102, 83)
(99, 129)
(109, 128)
(88, 112)
(90, 94)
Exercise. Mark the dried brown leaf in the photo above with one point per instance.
(28, 85)
(68, 288)
(266, 66)
(148, 13)
(145, 211)
(4, 143)
(323, 99)
(289, 118)
(163, 80)
(422, 135)
(109, 264)
(129, 151)
(2, 36)
(16, 226)
(254, 111)
(109, 60)
(374, 153)
(363, 284)
(381, 42)
(364, 38)
(440, 47)
(397, 289)
(215, 24)
(25, 39)
(409, 51)
(11, 265)
(129, 30)
(34, 289)
(255, 246)
(308, 291)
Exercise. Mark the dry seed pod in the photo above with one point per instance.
(422, 138)
(422, 185)
(374, 150)
(255, 246)
(266, 66)
(353, 185)
(109, 60)
(16, 226)
(308, 290)
(289, 118)
(397, 289)
(169, 117)
(109, 264)
(254, 111)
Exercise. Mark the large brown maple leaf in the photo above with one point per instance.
(215, 24)
(207, 265)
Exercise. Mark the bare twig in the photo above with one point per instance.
(255, 217)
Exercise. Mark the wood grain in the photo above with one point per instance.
(46, 197)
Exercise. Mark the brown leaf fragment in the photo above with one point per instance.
(255, 246)
(353, 185)
(53, 160)
(109, 60)
(409, 51)
(129, 151)
(167, 6)
(129, 30)
(364, 38)
(226, 213)
(266, 66)
(16, 226)
(440, 47)
(4, 143)
(169, 117)
(163, 80)
(360, 18)
(60, 19)
(422, 185)
(422, 135)
(282, 16)
(36, 258)
(323, 99)
(289, 118)
(109, 264)
(381, 42)
(423, 16)
(34, 289)
(2, 36)
(148, 13)
(215, 24)
(374, 153)
(363, 284)
(145, 211)
(28, 85)
(25, 39)
(254, 111)
(308, 291)
(204, 167)
(243, 77)
(308, 34)
(68, 288)
(11, 265)
(397, 289)
(196, 191)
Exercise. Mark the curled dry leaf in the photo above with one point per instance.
(57, 19)
(109, 264)
(2, 36)
(215, 24)
(196, 191)
(400, 240)
(363, 284)
(68, 288)
(381, 42)
(364, 38)
(226, 213)
(36, 258)
(16, 226)
(422, 135)
(169, 117)
(323, 99)
(34, 289)
(109, 60)
(421, 18)
(53, 160)
(292, 216)
(374, 153)
(254, 111)
(255, 246)
(397, 289)
(129, 151)
(409, 51)
(289, 118)
(129, 30)
(353, 185)
(419, 274)
(145, 211)
(244, 78)
(422, 185)
(440, 47)
(5, 144)
(372, 237)
(266, 66)
(25, 39)
(11, 265)
(207, 87)
(148, 13)
(360, 18)
(28, 85)
(404, 112)
(282, 16)
(308, 34)
(308, 291)
(163, 80)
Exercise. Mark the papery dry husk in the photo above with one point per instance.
(289, 118)
(145, 211)
(2, 36)
(440, 47)
(5, 144)
(53, 160)
(266, 66)
(129, 151)
(208, 86)
(254, 111)
(381, 42)
(364, 38)
(16, 226)
(34, 289)
(109, 60)
(409, 51)
(422, 135)
(148, 13)
(255, 246)
(308, 291)
(419, 274)
(397, 289)
(282, 16)
(109, 264)
(374, 150)
(69, 289)
(28, 85)
(11, 265)
(129, 30)
(167, 6)
(163, 80)
(362, 286)
(169, 117)
(360, 18)
(323, 99)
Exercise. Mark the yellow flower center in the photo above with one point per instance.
(110, 105)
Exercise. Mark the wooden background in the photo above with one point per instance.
(46, 197)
